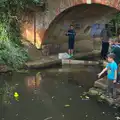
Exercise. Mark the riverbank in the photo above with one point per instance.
(99, 89)
(48, 61)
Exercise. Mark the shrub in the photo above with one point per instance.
(12, 55)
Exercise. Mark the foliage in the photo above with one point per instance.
(12, 55)
(10, 14)
(116, 18)
(11, 51)
(7, 92)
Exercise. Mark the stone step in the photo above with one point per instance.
(102, 84)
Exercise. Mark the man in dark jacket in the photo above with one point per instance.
(116, 50)
(105, 36)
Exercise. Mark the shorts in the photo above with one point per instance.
(71, 44)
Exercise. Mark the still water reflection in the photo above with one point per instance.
(52, 94)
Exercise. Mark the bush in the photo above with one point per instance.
(11, 51)
(12, 55)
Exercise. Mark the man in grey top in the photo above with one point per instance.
(105, 36)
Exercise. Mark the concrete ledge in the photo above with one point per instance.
(53, 60)
(69, 61)
(43, 63)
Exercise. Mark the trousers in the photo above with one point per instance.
(111, 89)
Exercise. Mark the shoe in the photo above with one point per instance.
(69, 56)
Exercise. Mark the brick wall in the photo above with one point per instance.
(51, 24)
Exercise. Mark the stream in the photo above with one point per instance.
(52, 94)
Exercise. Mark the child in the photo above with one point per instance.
(111, 69)
(71, 35)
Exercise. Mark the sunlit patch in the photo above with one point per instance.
(88, 1)
(28, 34)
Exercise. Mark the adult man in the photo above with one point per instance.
(71, 34)
(105, 36)
(115, 48)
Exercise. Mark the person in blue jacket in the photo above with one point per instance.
(71, 35)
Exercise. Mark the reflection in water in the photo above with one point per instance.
(7, 91)
(34, 81)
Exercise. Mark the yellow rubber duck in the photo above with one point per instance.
(16, 95)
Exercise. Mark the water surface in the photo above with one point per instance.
(52, 94)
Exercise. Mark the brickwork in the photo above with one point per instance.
(48, 23)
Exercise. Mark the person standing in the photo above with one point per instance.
(95, 34)
(71, 35)
(105, 36)
(116, 50)
(111, 69)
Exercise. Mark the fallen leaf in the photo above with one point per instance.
(103, 112)
(81, 97)
(118, 118)
(48, 118)
(86, 97)
(67, 105)
(70, 99)
(53, 97)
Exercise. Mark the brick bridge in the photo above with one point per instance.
(49, 25)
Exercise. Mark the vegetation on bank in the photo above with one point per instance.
(115, 24)
(11, 49)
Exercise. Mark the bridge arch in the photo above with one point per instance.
(91, 11)
(51, 24)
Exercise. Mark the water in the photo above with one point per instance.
(52, 94)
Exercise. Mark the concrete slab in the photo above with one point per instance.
(69, 61)
(49, 61)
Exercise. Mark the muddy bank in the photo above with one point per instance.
(4, 69)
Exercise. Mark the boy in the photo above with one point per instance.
(111, 69)
(71, 35)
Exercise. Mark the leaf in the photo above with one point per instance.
(67, 105)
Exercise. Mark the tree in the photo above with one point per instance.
(11, 51)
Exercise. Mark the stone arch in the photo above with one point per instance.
(61, 5)
(57, 10)
(66, 5)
